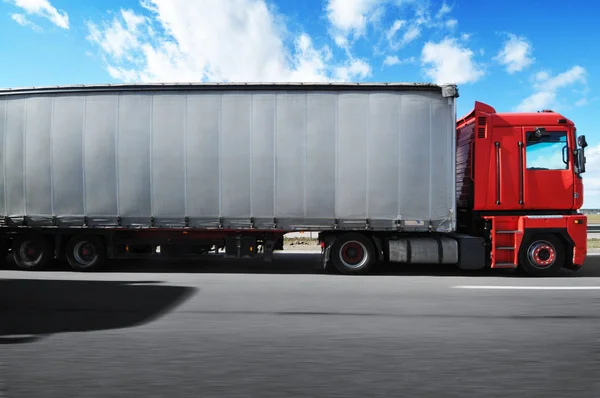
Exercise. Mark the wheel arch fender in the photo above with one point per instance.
(560, 233)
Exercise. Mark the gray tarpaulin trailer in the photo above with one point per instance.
(118, 170)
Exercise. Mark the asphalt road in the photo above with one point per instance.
(281, 330)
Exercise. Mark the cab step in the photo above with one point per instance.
(505, 265)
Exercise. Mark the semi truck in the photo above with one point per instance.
(385, 172)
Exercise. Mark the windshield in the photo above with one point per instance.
(548, 152)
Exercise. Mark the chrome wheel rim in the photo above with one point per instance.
(353, 254)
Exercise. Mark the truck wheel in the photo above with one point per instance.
(542, 255)
(86, 253)
(32, 252)
(353, 254)
(3, 253)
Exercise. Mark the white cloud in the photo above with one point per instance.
(576, 74)
(451, 23)
(405, 31)
(395, 28)
(132, 20)
(310, 64)
(23, 21)
(122, 74)
(445, 9)
(426, 18)
(350, 17)
(355, 69)
(118, 38)
(341, 40)
(516, 54)
(176, 42)
(542, 75)
(537, 101)
(411, 34)
(20, 19)
(450, 62)
(44, 9)
(392, 60)
(546, 87)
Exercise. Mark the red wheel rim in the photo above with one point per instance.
(353, 254)
(542, 254)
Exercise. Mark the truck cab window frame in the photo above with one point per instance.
(550, 151)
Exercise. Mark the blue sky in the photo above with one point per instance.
(523, 55)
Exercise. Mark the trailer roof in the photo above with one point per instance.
(449, 90)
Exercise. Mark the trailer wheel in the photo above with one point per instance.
(32, 252)
(86, 253)
(3, 253)
(353, 254)
(542, 255)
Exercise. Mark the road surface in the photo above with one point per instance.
(280, 330)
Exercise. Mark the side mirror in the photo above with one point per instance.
(581, 141)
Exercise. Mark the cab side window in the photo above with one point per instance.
(547, 152)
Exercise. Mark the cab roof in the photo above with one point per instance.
(541, 118)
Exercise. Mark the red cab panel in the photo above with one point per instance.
(523, 161)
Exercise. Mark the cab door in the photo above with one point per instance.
(547, 169)
(504, 182)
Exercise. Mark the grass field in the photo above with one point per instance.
(593, 244)
(300, 244)
(593, 218)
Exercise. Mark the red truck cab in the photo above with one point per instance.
(519, 184)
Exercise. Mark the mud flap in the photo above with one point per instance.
(267, 254)
(325, 263)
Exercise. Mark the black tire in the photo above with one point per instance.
(86, 253)
(32, 252)
(3, 253)
(542, 255)
(353, 254)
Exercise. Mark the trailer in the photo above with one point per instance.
(384, 171)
